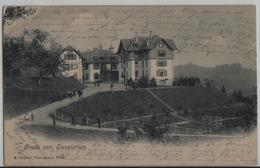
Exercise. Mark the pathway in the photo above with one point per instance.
(41, 115)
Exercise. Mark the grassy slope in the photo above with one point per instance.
(139, 102)
(112, 106)
(192, 97)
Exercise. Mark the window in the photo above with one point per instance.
(86, 77)
(161, 62)
(66, 67)
(96, 76)
(70, 57)
(86, 66)
(136, 74)
(161, 45)
(161, 72)
(161, 53)
(113, 66)
(136, 64)
(102, 58)
(74, 66)
(96, 66)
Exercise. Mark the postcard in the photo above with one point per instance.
(129, 85)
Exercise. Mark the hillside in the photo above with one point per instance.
(192, 97)
(232, 76)
(137, 103)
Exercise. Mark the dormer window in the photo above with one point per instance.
(161, 45)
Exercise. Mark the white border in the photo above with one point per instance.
(129, 2)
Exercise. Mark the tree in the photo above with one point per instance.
(35, 48)
(197, 81)
(13, 53)
(207, 83)
(43, 52)
(16, 12)
(153, 128)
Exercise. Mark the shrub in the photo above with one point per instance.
(153, 128)
(122, 133)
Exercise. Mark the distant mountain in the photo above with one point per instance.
(232, 76)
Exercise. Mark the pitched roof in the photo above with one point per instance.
(146, 43)
(69, 48)
(100, 55)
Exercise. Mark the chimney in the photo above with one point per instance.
(111, 47)
(136, 37)
(150, 34)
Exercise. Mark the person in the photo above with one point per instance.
(53, 119)
(80, 94)
(32, 117)
(26, 117)
(99, 123)
(73, 120)
(111, 86)
(74, 92)
(84, 120)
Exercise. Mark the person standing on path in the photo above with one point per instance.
(73, 120)
(99, 123)
(84, 120)
(111, 86)
(53, 119)
(32, 117)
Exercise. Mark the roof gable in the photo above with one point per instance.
(146, 43)
(69, 48)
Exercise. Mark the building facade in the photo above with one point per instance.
(152, 57)
(100, 65)
(72, 63)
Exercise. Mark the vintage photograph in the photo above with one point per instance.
(159, 85)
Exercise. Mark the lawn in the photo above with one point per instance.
(192, 97)
(111, 106)
(114, 106)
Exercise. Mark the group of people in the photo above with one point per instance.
(79, 92)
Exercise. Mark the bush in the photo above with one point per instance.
(122, 133)
(153, 128)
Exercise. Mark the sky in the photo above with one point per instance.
(204, 35)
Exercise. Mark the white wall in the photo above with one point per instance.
(78, 61)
